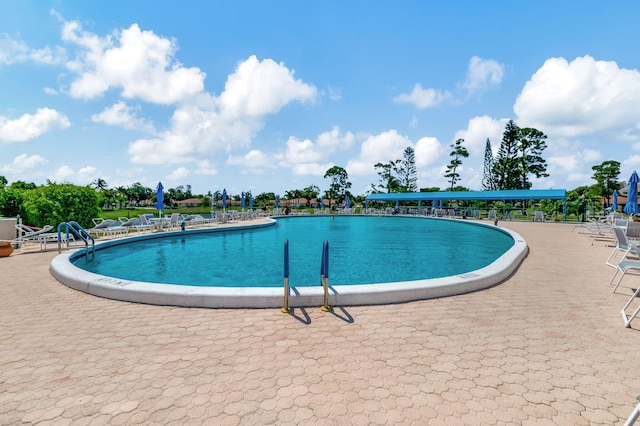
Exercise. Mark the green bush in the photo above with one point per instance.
(55, 203)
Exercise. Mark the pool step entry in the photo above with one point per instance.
(79, 232)
(324, 277)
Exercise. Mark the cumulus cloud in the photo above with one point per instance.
(255, 161)
(31, 126)
(258, 88)
(140, 63)
(120, 114)
(482, 73)
(178, 174)
(581, 97)
(23, 163)
(423, 98)
(478, 130)
(427, 150)
(379, 148)
(15, 51)
(208, 124)
(311, 169)
(84, 175)
(307, 151)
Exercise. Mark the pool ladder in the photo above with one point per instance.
(78, 232)
(324, 277)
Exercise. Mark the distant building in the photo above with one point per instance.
(189, 202)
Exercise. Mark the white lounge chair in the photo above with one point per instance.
(101, 227)
(30, 235)
(624, 267)
(145, 224)
(622, 245)
(538, 216)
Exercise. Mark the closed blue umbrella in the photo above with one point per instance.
(277, 201)
(224, 198)
(250, 200)
(242, 201)
(347, 202)
(614, 205)
(632, 195)
(159, 197)
(321, 202)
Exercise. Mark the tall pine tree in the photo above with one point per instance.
(531, 144)
(408, 171)
(506, 165)
(488, 178)
(456, 155)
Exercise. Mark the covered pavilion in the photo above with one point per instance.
(504, 196)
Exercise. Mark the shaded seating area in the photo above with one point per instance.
(469, 196)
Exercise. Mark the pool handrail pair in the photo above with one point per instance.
(324, 277)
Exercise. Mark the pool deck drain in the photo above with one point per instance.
(547, 346)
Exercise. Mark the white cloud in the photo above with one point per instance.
(84, 175)
(255, 160)
(380, 148)
(206, 125)
(15, 51)
(423, 98)
(327, 143)
(581, 97)
(28, 126)
(427, 151)
(478, 130)
(310, 169)
(120, 114)
(24, 163)
(482, 73)
(204, 167)
(258, 88)
(50, 91)
(178, 174)
(140, 63)
(63, 174)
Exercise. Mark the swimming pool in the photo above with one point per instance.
(372, 260)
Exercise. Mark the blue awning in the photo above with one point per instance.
(518, 194)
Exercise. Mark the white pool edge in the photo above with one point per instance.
(250, 297)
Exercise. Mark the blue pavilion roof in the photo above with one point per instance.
(519, 194)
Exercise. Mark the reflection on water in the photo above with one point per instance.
(363, 250)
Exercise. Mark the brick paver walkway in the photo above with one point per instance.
(547, 346)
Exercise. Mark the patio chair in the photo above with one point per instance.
(538, 216)
(622, 245)
(30, 235)
(628, 318)
(101, 227)
(635, 414)
(145, 224)
(633, 230)
(624, 267)
(492, 215)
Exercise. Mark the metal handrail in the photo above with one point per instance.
(324, 276)
(79, 232)
(285, 309)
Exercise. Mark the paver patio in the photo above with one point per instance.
(547, 346)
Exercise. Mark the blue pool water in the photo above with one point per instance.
(362, 250)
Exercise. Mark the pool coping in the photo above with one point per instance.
(68, 274)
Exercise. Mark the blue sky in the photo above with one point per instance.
(265, 96)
